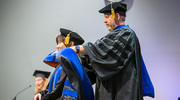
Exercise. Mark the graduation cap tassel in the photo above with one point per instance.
(112, 11)
(66, 41)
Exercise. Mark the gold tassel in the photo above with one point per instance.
(112, 11)
(66, 41)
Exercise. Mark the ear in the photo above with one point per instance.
(117, 16)
(71, 44)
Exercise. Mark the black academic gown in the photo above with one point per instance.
(69, 84)
(117, 68)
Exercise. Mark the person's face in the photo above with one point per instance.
(39, 81)
(109, 21)
(60, 44)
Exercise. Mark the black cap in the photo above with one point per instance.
(118, 7)
(39, 73)
(75, 37)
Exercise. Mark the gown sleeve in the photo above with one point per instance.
(51, 60)
(111, 54)
(55, 93)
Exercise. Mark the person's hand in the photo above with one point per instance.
(54, 52)
(37, 96)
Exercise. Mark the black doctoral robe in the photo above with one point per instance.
(72, 83)
(117, 66)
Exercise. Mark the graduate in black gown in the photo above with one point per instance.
(116, 59)
(67, 82)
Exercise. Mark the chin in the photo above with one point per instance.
(39, 88)
(110, 28)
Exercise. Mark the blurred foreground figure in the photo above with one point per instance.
(41, 80)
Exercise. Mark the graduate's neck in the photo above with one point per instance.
(121, 26)
(120, 23)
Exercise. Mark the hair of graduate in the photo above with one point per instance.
(62, 37)
(123, 18)
(44, 86)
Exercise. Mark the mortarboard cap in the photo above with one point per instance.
(39, 73)
(72, 36)
(118, 7)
